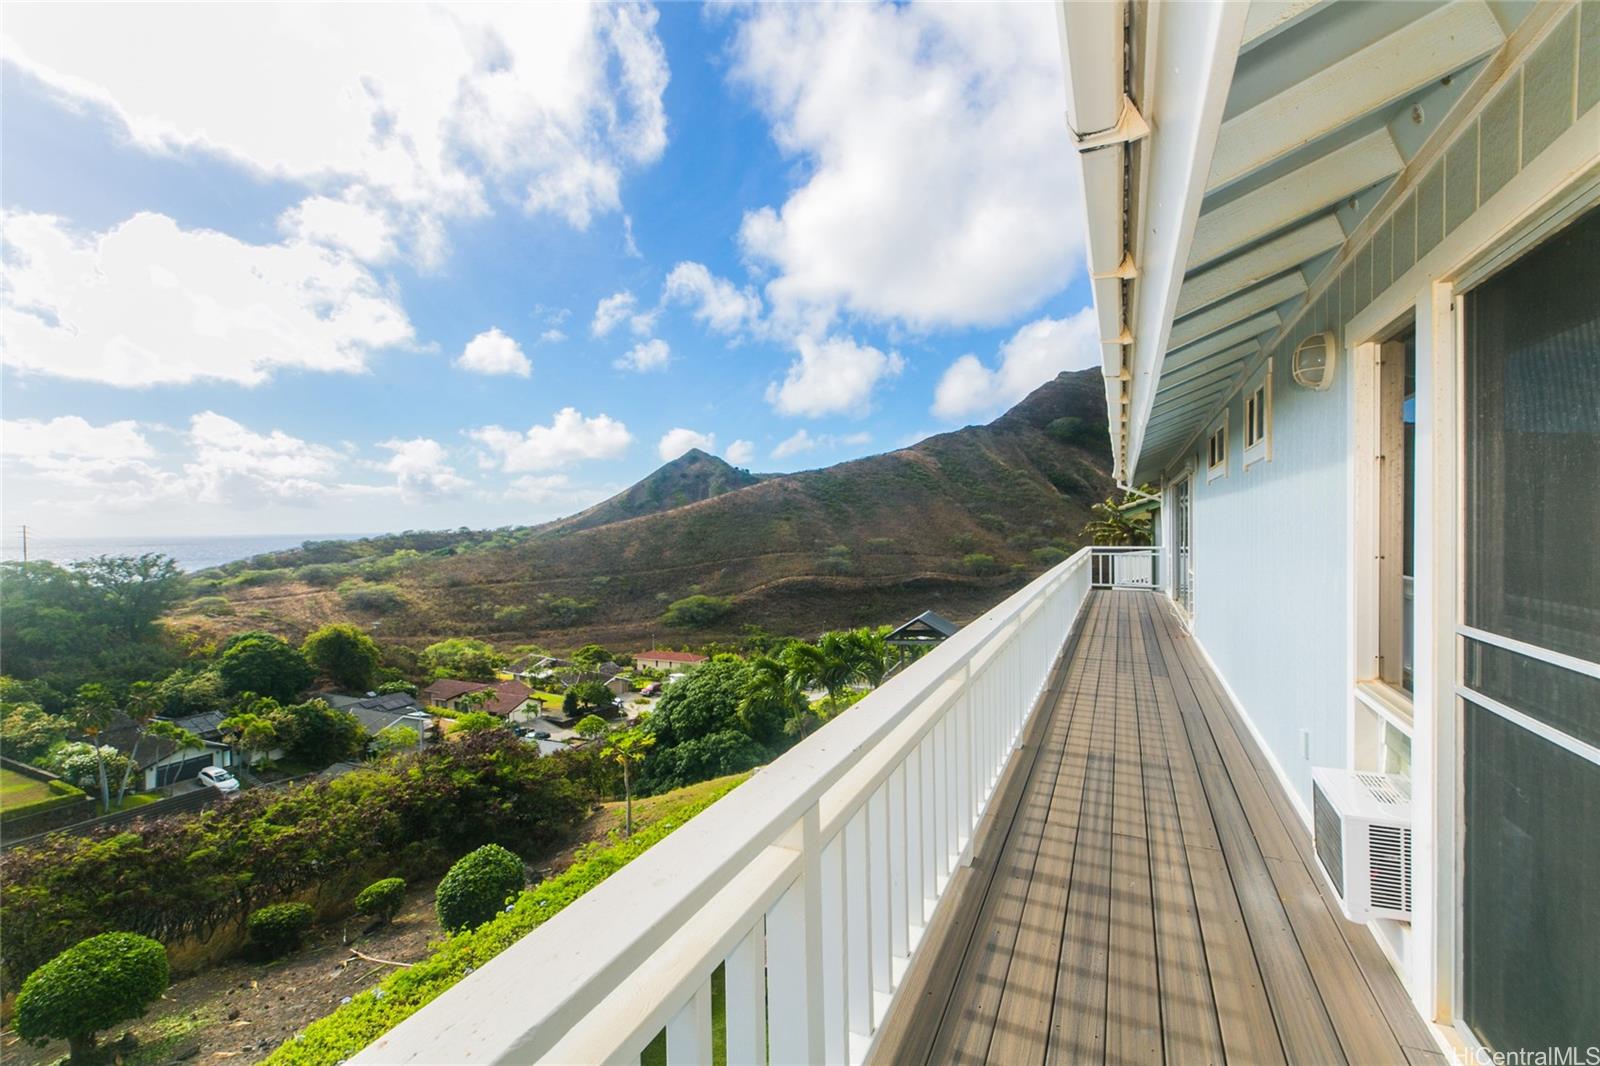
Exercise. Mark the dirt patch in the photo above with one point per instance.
(238, 1011)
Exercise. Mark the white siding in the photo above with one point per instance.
(1271, 574)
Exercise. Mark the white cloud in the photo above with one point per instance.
(365, 232)
(834, 376)
(676, 441)
(716, 301)
(230, 464)
(552, 336)
(492, 352)
(646, 355)
(150, 303)
(422, 469)
(112, 461)
(611, 311)
(569, 438)
(740, 452)
(802, 441)
(428, 109)
(1035, 353)
(941, 189)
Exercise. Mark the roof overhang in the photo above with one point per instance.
(1228, 151)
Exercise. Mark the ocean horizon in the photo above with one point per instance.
(191, 552)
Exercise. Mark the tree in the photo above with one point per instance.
(477, 887)
(828, 664)
(593, 694)
(344, 654)
(591, 656)
(591, 726)
(475, 700)
(140, 705)
(131, 591)
(93, 712)
(774, 701)
(569, 703)
(91, 986)
(27, 731)
(322, 735)
(697, 612)
(393, 740)
(265, 665)
(477, 722)
(627, 749)
(253, 734)
(868, 654)
(1113, 525)
(181, 739)
(461, 657)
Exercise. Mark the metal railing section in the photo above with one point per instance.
(813, 882)
(1126, 566)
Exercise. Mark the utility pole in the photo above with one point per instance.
(24, 543)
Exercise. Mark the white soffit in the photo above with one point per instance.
(1274, 257)
(1319, 184)
(1439, 42)
(1217, 342)
(1188, 330)
(1267, 17)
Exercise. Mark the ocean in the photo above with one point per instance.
(191, 553)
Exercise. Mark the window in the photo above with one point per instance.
(1217, 452)
(1258, 419)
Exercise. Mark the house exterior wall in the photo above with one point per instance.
(1282, 551)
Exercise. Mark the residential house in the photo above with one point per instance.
(378, 713)
(619, 685)
(162, 762)
(1314, 778)
(509, 697)
(666, 659)
(530, 668)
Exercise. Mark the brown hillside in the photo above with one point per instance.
(953, 522)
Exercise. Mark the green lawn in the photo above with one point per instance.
(16, 789)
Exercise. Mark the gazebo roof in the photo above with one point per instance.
(925, 628)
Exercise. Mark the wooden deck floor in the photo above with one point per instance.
(1143, 891)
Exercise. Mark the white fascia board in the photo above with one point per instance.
(1188, 330)
(1218, 342)
(1439, 42)
(1189, 51)
(1091, 44)
(1102, 192)
(1274, 257)
(1321, 183)
(1108, 307)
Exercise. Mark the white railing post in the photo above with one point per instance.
(795, 984)
(899, 924)
(744, 1000)
(689, 1031)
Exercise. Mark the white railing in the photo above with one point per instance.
(813, 881)
(1125, 566)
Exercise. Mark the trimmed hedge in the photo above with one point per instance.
(61, 794)
(91, 986)
(382, 899)
(277, 929)
(375, 1011)
(477, 887)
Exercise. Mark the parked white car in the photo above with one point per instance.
(218, 778)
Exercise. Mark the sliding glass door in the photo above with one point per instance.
(1530, 669)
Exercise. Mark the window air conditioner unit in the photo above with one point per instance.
(1361, 829)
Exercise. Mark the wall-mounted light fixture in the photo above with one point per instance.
(1314, 361)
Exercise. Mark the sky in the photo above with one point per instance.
(361, 268)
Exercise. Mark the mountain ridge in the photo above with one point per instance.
(952, 522)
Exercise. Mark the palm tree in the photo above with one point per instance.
(828, 664)
(626, 749)
(92, 713)
(140, 706)
(776, 692)
(868, 652)
(1113, 525)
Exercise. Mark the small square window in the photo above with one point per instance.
(1217, 452)
(1258, 418)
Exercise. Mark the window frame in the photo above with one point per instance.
(1217, 450)
(1258, 408)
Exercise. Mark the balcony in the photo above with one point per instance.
(1048, 840)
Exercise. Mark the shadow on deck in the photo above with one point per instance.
(1143, 890)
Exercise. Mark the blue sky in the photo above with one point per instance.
(297, 268)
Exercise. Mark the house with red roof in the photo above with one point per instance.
(509, 696)
(663, 659)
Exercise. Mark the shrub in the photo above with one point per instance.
(377, 599)
(276, 929)
(213, 606)
(477, 887)
(979, 563)
(477, 722)
(391, 687)
(695, 612)
(1048, 555)
(91, 986)
(322, 574)
(382, 899)
(343, 653)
